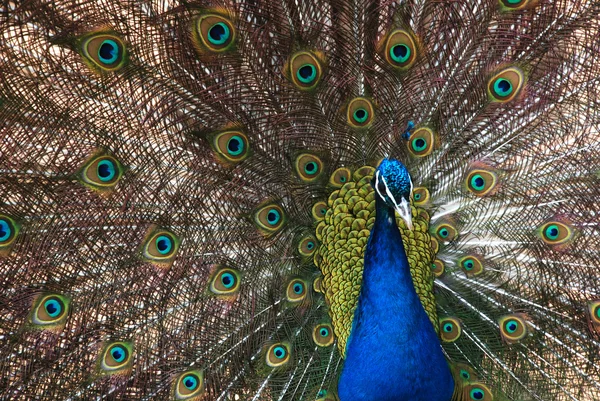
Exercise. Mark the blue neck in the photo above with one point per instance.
(393, 352)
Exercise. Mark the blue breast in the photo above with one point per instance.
(393, 352)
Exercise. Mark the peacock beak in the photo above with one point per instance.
(403, 209)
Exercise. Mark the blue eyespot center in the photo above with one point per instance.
(190, 382)
(342, 179)
(477, 182)
(419, 144)
(502, 87)
(5, 230)
(361, 115)
(53, 307)
(310, 245)
(273, 217)
(400, 53)
(417, 196)
(311, 168)
(477, 394)
(164, 244)
(448, 327)
(307, 73)
(597, 312)
(219, 33)
(465, 374)
(324, 332)
(552, 232)
(512, 326)
(444, 233)
(469, 264)
(279, 352)
(235, 146)
(298, 288)
(228, 280)
(118, 353)
(106, 170)
(108, 52)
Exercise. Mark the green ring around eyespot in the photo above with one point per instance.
(324, 332)
(511, 331)
(312, 76)
(282, 351)
(313, 171)
(58, 309)
(417, 196)
(449, 326)
(359, 119)
(277, 216)
(468, 264)
(499, 91)
(416, 147)
(464, 374)
(477, 390)
(240, 142)
(194, 384)
(225, 36)
(300, 291)
(6, 228)
(474, 182)
(400, 59)
(123, 352)
(310, 245)
(114, 53)
(111, 170)
(444, 233)
(548, 232)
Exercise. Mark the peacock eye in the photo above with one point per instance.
(214, 33)
(116, 357)
(189, 384)
(450, 329)
(308, 167)
(269, 218)
(161, 247)
(323, 335)
(104, 52)
(506, 85)
(421, 142)
(225, 281)
(8, 231)
(360, 112)
(277, 355)
(319, 210)
(305, 70)
(230, 146)
(511, 5)
(101, 172)
(464, 374)
(445, 232)
(437, 267)
(420, 195)
(296, 290)
(50, 312)
(512, 328)
(556, 233)
(471, 265)
(400, 49)
(307, 246)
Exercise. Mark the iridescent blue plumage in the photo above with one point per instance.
(393, 352)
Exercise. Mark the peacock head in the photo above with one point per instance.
(393, 185)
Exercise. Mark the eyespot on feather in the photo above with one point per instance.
(50, 312)
(270, 218)
(360, 112)
(323, 335)
(225, 281)
(421, 196)
(340, 177)
(104, 52)
(421, 142)
(308, 167)
(400, 49)
(516, 5)
(477, 392)
(450, 329)
(189, 385)
(116, 358)
(513, 328)
(101, 172)
(593, 315)
(160, 247)
(556, 233)
(444, 231)
(481, 182)
(506, 85)
(471, 265)
(437, 267)
(296, 290)
(278, 355)
(305, 70)
(9, 230)
(307, 246)
(213, 32)
(319, 210)
(231, 146)
(463, 373)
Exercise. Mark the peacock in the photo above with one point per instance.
(305, 200)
